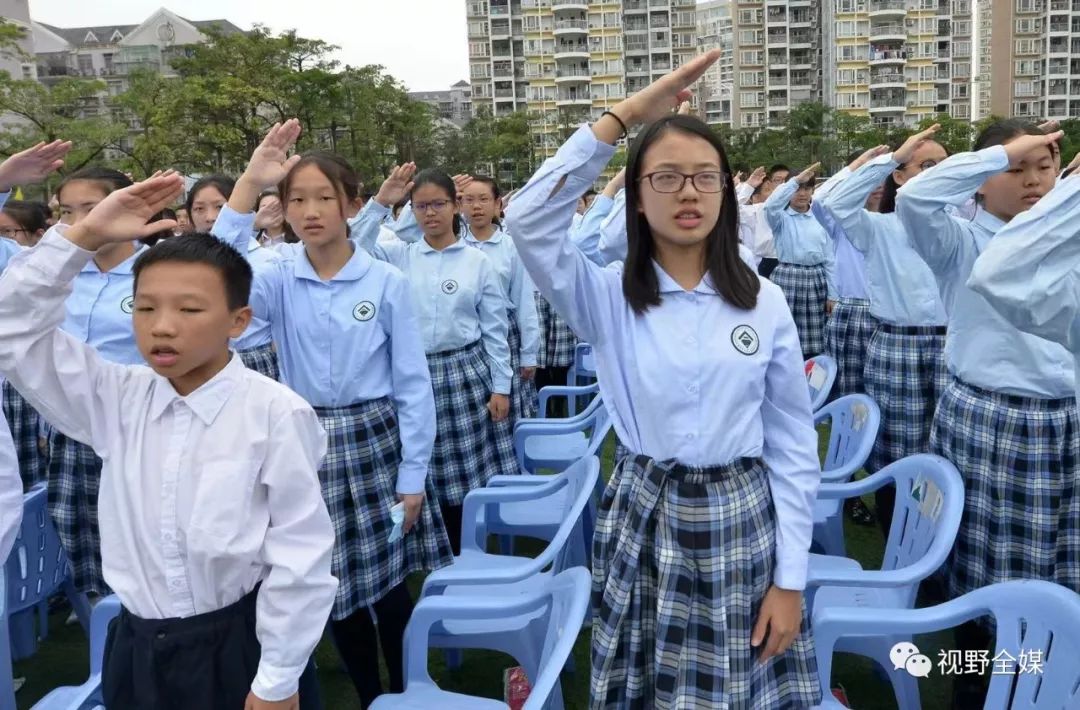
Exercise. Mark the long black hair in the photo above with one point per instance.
(1000, 133)
(732, 278)
(222, 183)
(438, 178)
(107, 179)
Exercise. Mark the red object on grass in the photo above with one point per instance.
(808, 367)
(841, 695)
(516, 687)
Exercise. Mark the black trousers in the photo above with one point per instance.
(206, 661)
(765, 268)
(357, 640)
(556, 376)
(451, 515)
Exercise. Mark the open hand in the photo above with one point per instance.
(123, 215)
(398, 186)
(807, 175)
(658, 98)
(33, 165)
(778, 623)
(270, 162)
(1021, 146)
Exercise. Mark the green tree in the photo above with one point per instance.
(955, 135)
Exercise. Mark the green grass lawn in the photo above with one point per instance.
(62, 658)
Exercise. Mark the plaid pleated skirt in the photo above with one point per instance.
(359, 479)
(806, 291)
(25, 425)
(847, 335)
(905, 374)
(262, 359)
(1020, 461)
(557, 341)
(74, 479)
(682, 559)
(469, 447)
(522, 392)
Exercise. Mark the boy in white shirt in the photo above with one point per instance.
(214, 533)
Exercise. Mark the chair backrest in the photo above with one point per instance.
(568, 594)
(37, 565)
(926, 515)
(1037, 623)
(581, 477)
(584, 361)
(854, 423)
(7, 680)
(820, 376)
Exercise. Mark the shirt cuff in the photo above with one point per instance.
(411, 478)
(58, 257)
(529, 360)
(791, 566)
(276, 683)
(500, 385)
(995, 157)
(234, 228)
(373, 206)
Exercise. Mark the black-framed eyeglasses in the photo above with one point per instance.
(10, 233)
(669, 181)
(927, 164)
(437, 205)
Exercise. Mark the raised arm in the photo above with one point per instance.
(62, 377)
(364, 227)
(1030, 271)
(921, 204)
(847, 202)
(296, 596)
(268, 166)
(613, 244)
(587, 236)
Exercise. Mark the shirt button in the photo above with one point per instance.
(692, 389)
(160, 635)
(689, 437)
(691, 340)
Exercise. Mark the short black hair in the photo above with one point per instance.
(107, 179)
(202, 248)
(779, 167)
(31, 216)
(432, 176)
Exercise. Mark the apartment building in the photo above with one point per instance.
(1031, 64)
(715, 30)
(565, 61)
(453, 105)
(898, 61)
(776, 59)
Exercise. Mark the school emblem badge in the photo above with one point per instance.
(364, 311)
(745, 339)
(449, 287)
(128, 304)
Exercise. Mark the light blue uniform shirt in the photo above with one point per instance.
(798, 236)
(1030, 272)
(675, 383)
(585, 236)
(100, 305)
(982, 348)
(902, 288)
(456, 292)
(850, 265)
(348, 340)
(258, 333)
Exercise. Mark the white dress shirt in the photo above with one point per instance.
(694, 379)
(202, 497)
(11, 491)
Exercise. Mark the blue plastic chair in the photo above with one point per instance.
(820, 395)
(477, 576)
(581, 372)
(854, 422)
(559, 604)
(87, 695)
(926, 517)
(554, 444)
(542, 522)
(1030, 616)
(36, 569)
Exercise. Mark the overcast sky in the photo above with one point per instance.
(421, 42)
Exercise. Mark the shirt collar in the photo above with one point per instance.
(494, 239)
(669, 285)
(124, 267)
(426, 248)
(206, 401)
(987, 221)
(355, 268)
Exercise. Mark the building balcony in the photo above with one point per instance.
(888, 80)
(777, 38)
(572, 51)
(577, 99)
(888, 104)
(888, 56)
(570, 5)
(887, 8)
(571, 75)
(888, 33)
(571, 27)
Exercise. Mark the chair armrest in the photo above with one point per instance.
(568, 391)
(523, 479)
(476, 500)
